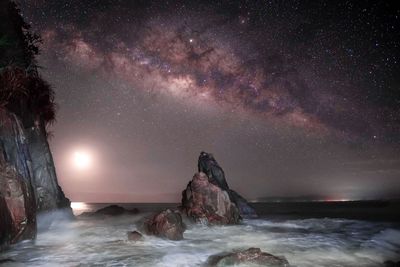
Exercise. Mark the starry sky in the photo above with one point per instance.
(293, 98)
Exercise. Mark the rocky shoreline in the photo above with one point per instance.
(207, 200)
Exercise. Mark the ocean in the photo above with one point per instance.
(307, 234)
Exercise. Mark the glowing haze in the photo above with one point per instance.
(289, 102)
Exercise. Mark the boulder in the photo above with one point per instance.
(135, 236)
(216, 175)
(166, 224)
(207, 203)
(252, 256)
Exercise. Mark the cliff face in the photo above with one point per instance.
(28, 181)
(49, 194)
(17, 195)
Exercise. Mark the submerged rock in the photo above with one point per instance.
(250, 256)
(216, 175)
(167, 224)
(135, 236)
(207, 203)
(112, 210)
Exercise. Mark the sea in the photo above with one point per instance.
(307, 234)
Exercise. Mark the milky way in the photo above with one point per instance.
(328, 70)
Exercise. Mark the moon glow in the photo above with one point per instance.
(81, 160)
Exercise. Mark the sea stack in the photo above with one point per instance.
(208, 198)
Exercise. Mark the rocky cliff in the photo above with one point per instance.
(17, 194)
(28, 181)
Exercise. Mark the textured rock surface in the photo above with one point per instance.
(208, 165)
(24, 93)
(166, 224)
(207, 203)
(252, 256)
(17, 199)
(49, 195)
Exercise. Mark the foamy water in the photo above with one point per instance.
(305, 242)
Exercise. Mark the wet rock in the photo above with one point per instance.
(17, 199)
(245, 210)
(250, 256)
(207, 203)
(135, 236)
(49, 195)
(166, 224)
(216, 175)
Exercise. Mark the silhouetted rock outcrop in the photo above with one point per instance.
(249, 256)
(208, 165)
(167, 224)
(112, 210)
(199, 200)
(207, 203)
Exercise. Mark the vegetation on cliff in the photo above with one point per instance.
(22, 90)
(28, 180)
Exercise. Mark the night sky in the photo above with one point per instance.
(293, 98)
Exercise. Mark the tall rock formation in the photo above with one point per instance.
(28, 181)
(208, 198)
(49, 195)
(216, 175)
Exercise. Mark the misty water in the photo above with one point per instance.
(304, 242)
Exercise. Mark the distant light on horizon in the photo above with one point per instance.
(82, 159)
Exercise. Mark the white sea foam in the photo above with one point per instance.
(310, 242)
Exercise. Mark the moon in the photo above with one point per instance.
(82, 160)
